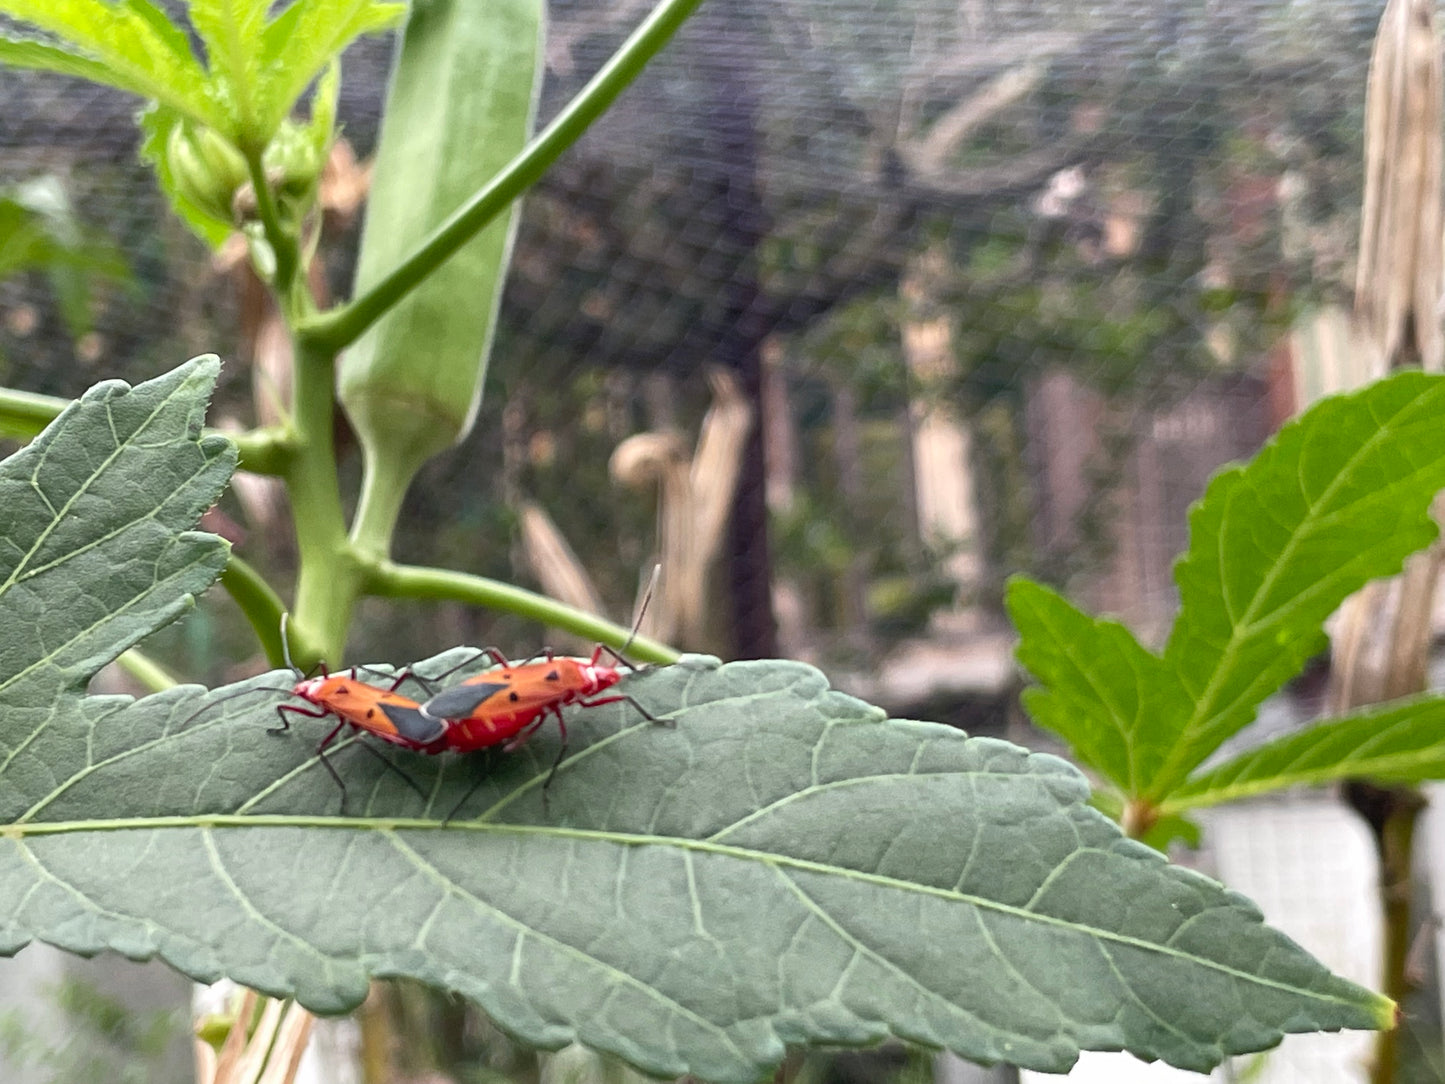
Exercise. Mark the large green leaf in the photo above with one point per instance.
(305, 38)
(1340, 496)
(1401, 742)
(130, 45)
(779, 864)
(94, 552)
(231, 30)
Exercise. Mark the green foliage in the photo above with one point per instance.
(782, 843)
(779, 864)
(100, 1038)
(1341, 496)
(255, 69)
(39, 231)
(130, 45)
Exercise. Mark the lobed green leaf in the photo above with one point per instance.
(1339, 497)
(231, 31)
(1099, 689)
(777, 864)
(94, 554)
(1400, 742)
(300, 42)
(130, 45)
(38, 56)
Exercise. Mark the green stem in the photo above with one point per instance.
(283, 244)
(383, 489)
(146, 670)
(329, 578)
(24, 414)
(411, 581)
(261, 605)
(1395, 811)
(264, 451)
(344, 325)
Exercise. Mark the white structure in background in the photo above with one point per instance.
(1309, 863)
(942, 455)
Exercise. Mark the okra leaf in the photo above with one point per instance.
(1099, 688)
(94, 548)
(130, 45)
(231, 31)
(1339, 497)
(1401, 742)
(38, 56)
(300, 42)
(778, 864)
(764, 863)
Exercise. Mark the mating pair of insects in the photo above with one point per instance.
(502, 706)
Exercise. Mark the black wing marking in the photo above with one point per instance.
(460, 701)
(412, 725)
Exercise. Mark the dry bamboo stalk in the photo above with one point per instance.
(286, 1053)
(211, 1063)
(553, 561)
(1382, 633)
(1398, 276)
(694, 501)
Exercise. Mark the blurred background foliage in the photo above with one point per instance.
(1144, 199)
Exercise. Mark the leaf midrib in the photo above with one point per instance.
(391, 825)
(1200, 720)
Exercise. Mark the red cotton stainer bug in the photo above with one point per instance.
(383, 712)
(507, 705)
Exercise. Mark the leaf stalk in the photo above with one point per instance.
(410, 581)
(343, 325)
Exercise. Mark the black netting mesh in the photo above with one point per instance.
(1112, 214)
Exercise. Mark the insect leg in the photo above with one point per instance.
(386, 760)
(624, 698)
(295, 709)
(326, 761)
(561, 752)
(492, 653)
(526, 732)
(617, 656)
(470, 791)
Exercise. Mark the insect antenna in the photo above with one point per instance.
(619, 653)
(230, 696)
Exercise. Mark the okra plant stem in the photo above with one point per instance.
(345, 324)
(283, 244)
(261, 605)
(329, 581)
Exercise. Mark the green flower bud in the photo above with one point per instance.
(293, 161)
(205, 168)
